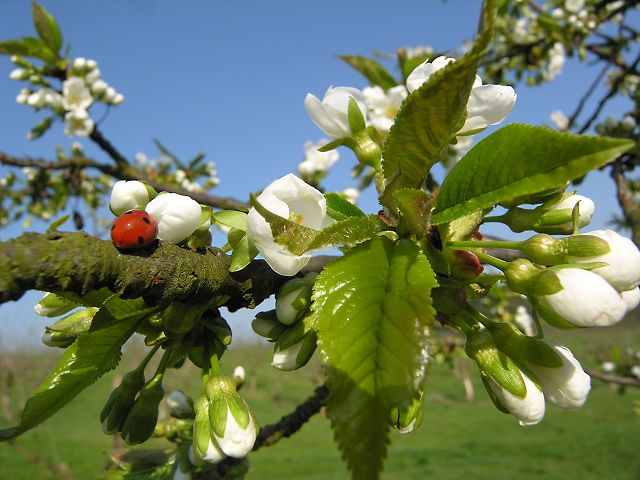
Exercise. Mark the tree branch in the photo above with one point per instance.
(161, 273)
(630, 382)
(627, 200)
(124, 172)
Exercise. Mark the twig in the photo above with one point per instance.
(627, 381)
(627, 200)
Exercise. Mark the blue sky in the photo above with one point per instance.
(229, 79)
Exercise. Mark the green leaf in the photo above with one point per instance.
(168, 154)
(373, 310)
(47, 27)
(431, 116)
(28, 47)
(243, 253)
(57, 223)
(520, 160)
(340, 208)
(300, 239)
(92, 355)
(372, 71)
(231, 218)
(415, 208)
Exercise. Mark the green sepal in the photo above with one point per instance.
(333, 145)
(47, 27)
(339, 208)
(75, 323)
(492, 395)
(179, 318)
(524, 349)
(266, 325)
(371, 70)
(54, 305)
(549, 316)
(481, 348)
(201, 436)
(356, 120)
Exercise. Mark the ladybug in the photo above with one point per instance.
(134, 229)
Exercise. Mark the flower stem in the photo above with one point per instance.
(485, 244)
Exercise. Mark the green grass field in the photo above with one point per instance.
(456, 440)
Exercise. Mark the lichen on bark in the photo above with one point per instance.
(161, 273)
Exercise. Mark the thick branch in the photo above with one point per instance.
(627, 200)
(162, 273)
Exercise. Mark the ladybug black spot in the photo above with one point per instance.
(145, 220)
(140, 240)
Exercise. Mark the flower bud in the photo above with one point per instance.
(267, 325)
(631, 298)
(177, 215)
(294, 298)
(448, 299)
(332, 114)
(231, 423)
(65, 331)
(585, 300)
(408, 419)
(203, 447)
(52, 305)
(180, 405)
(238, 376)
(120, 401)
(510, 389)
(129, 195)
(294, 348)
(19, 74)
(554, 216)
(143, 416)
(622, 271)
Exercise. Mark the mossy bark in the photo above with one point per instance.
(161, 273)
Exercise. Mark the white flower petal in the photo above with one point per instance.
(528, 410)
(178, 216)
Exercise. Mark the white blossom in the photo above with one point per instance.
(528, 410)
(631, 298)
(331, 114)
(418, 51)
(487, 105)
(78, 123)
(623, 261)
(92, 75)
(287, 359)
(236, 441)
(19, 74)
(566, 386)
(586, 299)
(128, 195)
(586, 208)
(23, 96)
(79, 63)
(556, 61)
(316, 162)
(291, 198)
(76, 95)
(574, 5)
(382, 106)
(351, 194)
(608, 367)
(635, 371)
(178, 216)
(559, 119)
(239, 374)
(524, 321)
(99, 87)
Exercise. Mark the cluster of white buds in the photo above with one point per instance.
(316, 164)
(520, 372)
(224, 425)
(294, 340)
(79, 90)
(178, 216)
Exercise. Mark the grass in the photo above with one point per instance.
(457, 439)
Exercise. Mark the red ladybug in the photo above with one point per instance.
(134, 229)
